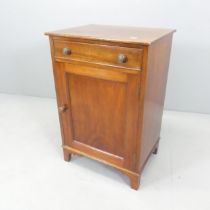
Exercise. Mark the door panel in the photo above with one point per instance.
(98, 112)
(101, 111)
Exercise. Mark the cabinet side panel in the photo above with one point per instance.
(154, 81)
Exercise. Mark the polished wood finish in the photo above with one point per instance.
(102, 54)
(138, 35)
(110, 108)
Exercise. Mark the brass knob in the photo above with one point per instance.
(66, 51)
(121, 58)
(62, 108)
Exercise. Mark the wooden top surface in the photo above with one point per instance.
(114, 33)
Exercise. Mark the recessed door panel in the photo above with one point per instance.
(98, 110)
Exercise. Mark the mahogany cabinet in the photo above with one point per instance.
(110, 83)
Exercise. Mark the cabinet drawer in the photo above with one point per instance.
(123, 57)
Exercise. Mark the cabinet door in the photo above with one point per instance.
(99, 111)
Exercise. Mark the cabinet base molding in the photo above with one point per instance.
(133, 176)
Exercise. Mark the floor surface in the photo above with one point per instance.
(33, 175)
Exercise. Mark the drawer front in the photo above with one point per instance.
(123, 57)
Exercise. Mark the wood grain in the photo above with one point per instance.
(154, 83)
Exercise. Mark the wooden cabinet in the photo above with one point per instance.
(110, 85)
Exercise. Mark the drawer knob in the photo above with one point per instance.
(66, 51)
(62, 108)
(121, 58)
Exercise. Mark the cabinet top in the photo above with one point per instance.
(139, 35)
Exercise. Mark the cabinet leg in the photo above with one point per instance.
(155, 151)
(134, 181)
(66, 155)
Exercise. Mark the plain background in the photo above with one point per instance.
(25, 56)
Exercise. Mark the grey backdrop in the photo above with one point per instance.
(25, 66)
